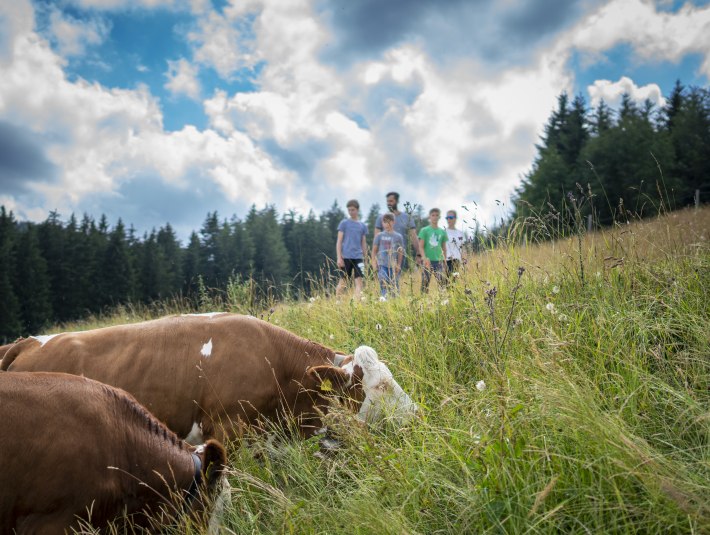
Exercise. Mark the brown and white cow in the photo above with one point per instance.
(202, 375)
(73, 450)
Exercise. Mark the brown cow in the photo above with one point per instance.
(203, 375)
(75, 450)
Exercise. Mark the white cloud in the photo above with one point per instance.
(221, 43)
(182, 79)
(73, 35)
(105, 137)
(654, 35)
(612, 92)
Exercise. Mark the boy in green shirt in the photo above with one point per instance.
(432, 241)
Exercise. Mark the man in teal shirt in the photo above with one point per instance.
(432, 241)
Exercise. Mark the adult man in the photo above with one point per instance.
(403, 224)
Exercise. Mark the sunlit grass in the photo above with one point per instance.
(595, 415)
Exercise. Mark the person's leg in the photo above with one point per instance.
(438, 269)
(426, 276)
(395, 281)
(359, 275)
(382, 277)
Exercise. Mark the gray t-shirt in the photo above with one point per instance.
(402, 223)
(388, 245)
(353, 231)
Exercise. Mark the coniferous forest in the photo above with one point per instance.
(600, 162)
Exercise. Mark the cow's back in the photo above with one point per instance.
(187, 370)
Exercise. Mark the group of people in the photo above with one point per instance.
(437, 250)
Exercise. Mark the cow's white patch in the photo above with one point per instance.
(44, 338)
(206, 350)
(207, 314)
(384, 398)
(194, 437)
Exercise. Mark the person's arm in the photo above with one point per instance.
(424, 260)
(400, 258)
(363, 244)
(373, 258)
(443, 250)
(339, 250)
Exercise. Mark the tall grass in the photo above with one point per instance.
(594, 417)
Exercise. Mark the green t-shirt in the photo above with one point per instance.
(433, 238)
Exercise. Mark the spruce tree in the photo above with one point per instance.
(10, 324)
(32, 282)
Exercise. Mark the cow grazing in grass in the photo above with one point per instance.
(203, 375)
(384, 398)
(73, 451)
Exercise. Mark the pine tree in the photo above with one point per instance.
(10, 325)
(271, 259)
(117, 283)
(191, 265)
(32, 282)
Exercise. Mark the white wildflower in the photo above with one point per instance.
(562, 317)
(382, 299)
(455, 274)
(555, 289)
(332, 337)
(407, 328)
(481, 385)
(444, 302)
(378, 326)
(312, 299)
(550, 307)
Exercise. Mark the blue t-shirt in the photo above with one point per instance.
(388, 246)
(402, 223)
(353, 231)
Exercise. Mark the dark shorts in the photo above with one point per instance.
(353, 269)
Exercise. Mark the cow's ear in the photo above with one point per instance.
(329, 379)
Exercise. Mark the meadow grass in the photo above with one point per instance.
(594, 417)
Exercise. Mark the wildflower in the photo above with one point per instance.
(518, 322)
(455, 274)
(550, 307)
(555, 289)
(444, 302)
(481, 385)
(562, 317)
(521, 270)
(383, 298)
(332, 337)
(363, 298)
(468, 291)
(312, 299)
(407, 329)
(378, 326)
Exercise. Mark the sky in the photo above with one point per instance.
(160, 111)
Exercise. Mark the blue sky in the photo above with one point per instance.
(160, 111)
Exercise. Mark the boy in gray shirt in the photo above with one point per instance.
(351, 249)
(387, 256)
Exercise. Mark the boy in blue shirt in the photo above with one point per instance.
(387, 255)
(351, 249)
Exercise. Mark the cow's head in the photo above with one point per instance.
(204, 498)
(321, 385)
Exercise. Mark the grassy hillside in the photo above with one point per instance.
(594, 417)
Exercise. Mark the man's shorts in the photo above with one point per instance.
(354, 268)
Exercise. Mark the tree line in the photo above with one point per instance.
(636, 160)
(59, 271)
